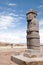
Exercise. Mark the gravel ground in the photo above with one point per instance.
(7, 52)
(5, 55)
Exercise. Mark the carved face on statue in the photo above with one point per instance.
(30, 16)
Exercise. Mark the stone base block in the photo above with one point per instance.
(17, 61)
(30, 53)
(21, 60)
(29, 57)
(33, 63)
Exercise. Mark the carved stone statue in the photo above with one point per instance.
(33, 39)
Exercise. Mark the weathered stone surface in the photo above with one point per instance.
(18, 61)
(40, 63)
(33, 43)
(31, 11)
(35, 47)
(34, 33)
(33, 63)
(22, 60)
(30, 53)
(33, 38)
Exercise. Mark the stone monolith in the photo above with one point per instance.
(33, 38)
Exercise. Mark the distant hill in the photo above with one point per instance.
(18, 45)
(9, 44)
(4, 44)
(14, 44)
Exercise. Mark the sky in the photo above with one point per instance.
(13, 23)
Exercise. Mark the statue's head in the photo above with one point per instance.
(31, 14)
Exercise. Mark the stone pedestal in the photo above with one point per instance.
(31, 53)
(22, 60)
(29, 57)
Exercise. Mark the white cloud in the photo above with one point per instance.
(13, 37)
(41, 36)
(12, 4)
(41, 22)
(5, 21)
(42, 1)
(9, 20)
(41, 31)
(41, 6)
(12, 14)
(39, 13)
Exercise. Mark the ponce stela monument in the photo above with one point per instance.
(32, 55)
(33, 39)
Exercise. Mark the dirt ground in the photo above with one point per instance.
(6, 53)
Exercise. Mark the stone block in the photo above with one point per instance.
(22, 60)
(33, 43)
(33, 63)
(33, 36)
(31, 53)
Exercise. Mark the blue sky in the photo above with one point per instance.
(13, 19)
